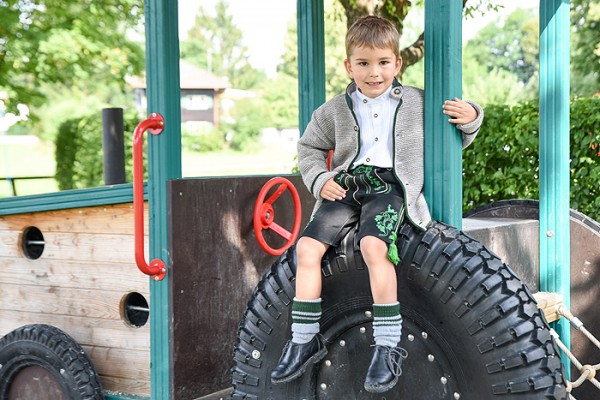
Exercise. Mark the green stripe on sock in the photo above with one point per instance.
(306, 312)
(386, 310)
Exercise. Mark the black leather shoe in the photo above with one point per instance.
(296, 357)
(385, 368)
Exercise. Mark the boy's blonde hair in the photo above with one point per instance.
(375, 32)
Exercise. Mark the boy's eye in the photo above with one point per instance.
(362, 63)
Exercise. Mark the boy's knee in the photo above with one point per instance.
(372, 248)
(309, 248)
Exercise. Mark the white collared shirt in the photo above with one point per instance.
(375, 119)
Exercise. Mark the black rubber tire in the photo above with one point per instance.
(494, 341)
(47, 347)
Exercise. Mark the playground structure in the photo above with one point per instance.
(68, 259)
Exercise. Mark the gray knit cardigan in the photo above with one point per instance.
(334, 126)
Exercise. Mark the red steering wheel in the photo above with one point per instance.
(264, 215)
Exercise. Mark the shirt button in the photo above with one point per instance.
(355, 127)
(374, 115)
(368, 159)
(376, 139)
(365, 101)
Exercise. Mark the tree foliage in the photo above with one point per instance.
(214, 43)
(510, 45)
(585, 50)
(79, 157)
(81, 43)
(503, 162)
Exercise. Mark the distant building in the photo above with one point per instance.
(200, 95)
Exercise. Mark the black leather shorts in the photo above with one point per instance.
(373, 199)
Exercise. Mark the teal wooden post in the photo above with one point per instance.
(443, 81)
(311, 58)
(164, 163)
(554, 156)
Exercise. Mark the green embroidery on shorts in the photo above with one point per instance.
(362, 169)
(374, 180)
(387, 221)
(342, 180)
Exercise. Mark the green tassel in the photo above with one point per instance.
(393, 250)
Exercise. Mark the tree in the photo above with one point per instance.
(585, 51)
(75, 43)
(511, 45)
(215, 44)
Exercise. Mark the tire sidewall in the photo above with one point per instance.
(48, 347)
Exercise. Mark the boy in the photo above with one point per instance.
(376, 179)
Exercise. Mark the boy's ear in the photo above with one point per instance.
(398, 64)
(348, 68)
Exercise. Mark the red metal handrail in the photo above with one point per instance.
(154, 124)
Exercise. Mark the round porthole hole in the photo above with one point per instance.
(135, 310)
(33, 243)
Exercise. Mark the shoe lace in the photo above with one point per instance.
(394, 359)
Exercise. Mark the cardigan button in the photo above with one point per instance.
(355, 127)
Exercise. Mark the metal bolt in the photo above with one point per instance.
(431, 358)
(255, 354)
(342, 343)
(424, 335)
(323, 386)
(362, 329)
(411, 338)
(328, 363)
(550, 233)
(456, 396)
(368, 314)
(444, 380)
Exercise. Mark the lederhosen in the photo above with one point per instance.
(373, 199)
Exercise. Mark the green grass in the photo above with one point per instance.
(29, 159)
(26, 159)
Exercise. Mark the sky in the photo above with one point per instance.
(264, 24)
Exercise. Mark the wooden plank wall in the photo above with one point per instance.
(77, 285)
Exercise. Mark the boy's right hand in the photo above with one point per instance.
(332, 191)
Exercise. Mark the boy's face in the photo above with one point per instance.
(373, 69)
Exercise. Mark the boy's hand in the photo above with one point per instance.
(460, 111)
(332, 191)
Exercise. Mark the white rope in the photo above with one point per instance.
(587, 371)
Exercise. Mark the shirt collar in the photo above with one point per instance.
(368, 100)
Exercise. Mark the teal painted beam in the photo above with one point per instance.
(311, 58)
(164, 163)
(554, 156)
(77, 198)
(443, 81)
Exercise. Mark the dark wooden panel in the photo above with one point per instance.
(216, 263)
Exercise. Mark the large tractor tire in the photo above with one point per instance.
(472, 330)
(42, 362)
